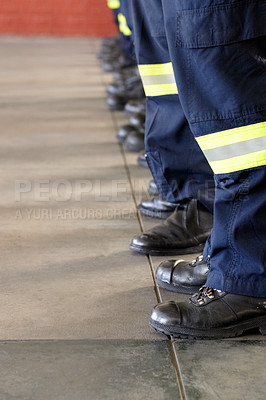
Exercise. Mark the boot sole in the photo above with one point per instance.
(153, 192)
(143, 164)
(129, 114)
(155, 214)
(170, 287)
(167, 252)
(215, 333)
(120, 139)
(132, 148)
(117, 107)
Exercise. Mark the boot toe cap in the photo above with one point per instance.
(167, 314)
(164, 271)
(123, 132)
(142, 240)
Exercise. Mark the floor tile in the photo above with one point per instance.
(225, 369)
(89, 370)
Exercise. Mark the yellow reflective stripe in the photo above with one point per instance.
(123, 27)
(156, 69)
(160, 90)
(235, 149)
(113, 4)
(158, 79)
(239, 163)
(231, 136)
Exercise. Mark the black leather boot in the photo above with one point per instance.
(141, 160)
(134, 141)
(152, 189)
(117, 102)
(137, 120)
(135, 107)
(157, 208)
(110, 53)
(123, 74)
(109, 45)
(117, 62)
(122, 88)
(184, 232)
(110, 41)
(182, 277)
(124, 131)
(210, 314)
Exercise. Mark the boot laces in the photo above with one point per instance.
(205, 291)
(198, 259)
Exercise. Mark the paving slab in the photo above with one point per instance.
(222, 369)
(94, 370)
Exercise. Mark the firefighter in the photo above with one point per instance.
(213, 54)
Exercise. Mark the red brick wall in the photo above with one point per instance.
(56, 17)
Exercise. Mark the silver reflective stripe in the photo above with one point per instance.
(236, 149)
(158, 79)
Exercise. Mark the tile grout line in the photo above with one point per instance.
(156, 288)
(178, 372)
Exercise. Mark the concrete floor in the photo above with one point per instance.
(74, 300)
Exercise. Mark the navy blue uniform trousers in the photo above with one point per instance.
(178, 166)
(122, 17)
(217, 51)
